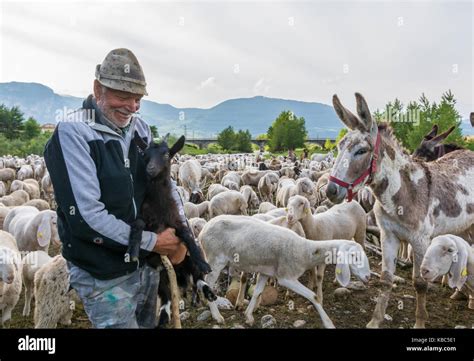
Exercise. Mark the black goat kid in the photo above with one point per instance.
(158, 212)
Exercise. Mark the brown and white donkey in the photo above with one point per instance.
(415, 200)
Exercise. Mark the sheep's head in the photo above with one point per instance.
(8, 266)
(447, 254)
(297, 208)
(158, 155)
(351, 259)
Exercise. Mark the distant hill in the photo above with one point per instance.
(255, 114)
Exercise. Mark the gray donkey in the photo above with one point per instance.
(415, 200)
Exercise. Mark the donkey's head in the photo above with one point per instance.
(158, 155)
(430, 147)
(355, 161)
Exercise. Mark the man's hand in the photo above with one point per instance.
(170, 245)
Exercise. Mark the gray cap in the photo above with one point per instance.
(120, 70)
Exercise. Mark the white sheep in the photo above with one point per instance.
(30, 186)
(283, 222)
(40, 204)
(189, 176)
(16, 198)
(453, 256)
(343, 221)
(197, 224)
(265, 207)
(32, 229)
(25, 171)
(31, 263)
(10, 275)
(53, 299)
(7, 175)
(231, 180)
(215, 189)
(3, 189)
(250, 245)
(267, 186)
(252, 177)
(231, 202)
(250, 196)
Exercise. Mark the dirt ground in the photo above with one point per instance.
(354, 311)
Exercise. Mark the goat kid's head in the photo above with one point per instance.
(158, 155)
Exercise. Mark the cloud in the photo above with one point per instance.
(208, 83)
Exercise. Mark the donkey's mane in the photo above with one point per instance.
(386, 129)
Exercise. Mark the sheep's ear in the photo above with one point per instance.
(43, 234)
(343, 272)
(457, 275)
(139, 141)
(177, 146)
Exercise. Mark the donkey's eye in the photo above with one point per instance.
(361, 151)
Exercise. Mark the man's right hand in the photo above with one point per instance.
(169, 245)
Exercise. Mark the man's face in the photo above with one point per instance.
(118, 106)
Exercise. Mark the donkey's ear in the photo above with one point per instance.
(347, 117)
(458, 272)
(364, 114)
(432, 133)
(177, 146)
(443, 136)
(472, 118)
(165, 138)
(139, 141)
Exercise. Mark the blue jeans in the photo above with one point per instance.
(124, 302)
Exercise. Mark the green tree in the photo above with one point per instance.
(287, 132)
(341, 135)
(227, 138)
(32, 129)
(243, 141)
(11, 122)
(154, 131)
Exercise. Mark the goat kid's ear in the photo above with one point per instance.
(177, 146)
(139, 141)
(458, 272)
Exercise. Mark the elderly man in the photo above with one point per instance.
(99, 183)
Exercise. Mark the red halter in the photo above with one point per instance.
(368, 172)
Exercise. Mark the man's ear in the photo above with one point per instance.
(139, 141)
(177, 146)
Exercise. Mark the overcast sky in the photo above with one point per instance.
(197, 54)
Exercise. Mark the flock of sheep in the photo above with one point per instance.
(275, 223)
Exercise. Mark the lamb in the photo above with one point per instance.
(232, 181)
(47, 192)
(40, 204)
(250, 245)
(267, 186)
(453, 256)
(252, 177)
(283, 222)
(231, 202)
(265, 207)
(30, 186)
(250, 196)
(197, 224)
(31, 263)
(306, 188)
(53, 298)
(26, 171)
(3, 189)
(189, 175)
(7, 175)
(343, 221)
(287, 188)
(192, 210)
(215, 189)
(10, 275)
(16, 198)
(32, 229)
